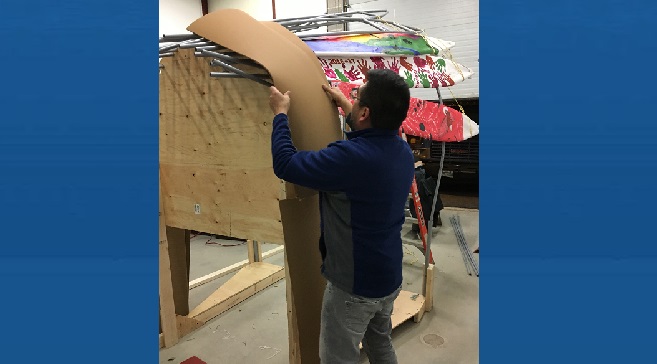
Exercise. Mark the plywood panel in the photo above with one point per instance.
(233, 202)
(215, 151)
(204, 120)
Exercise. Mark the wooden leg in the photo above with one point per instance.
(167, 306)
(292, 328)
(255, 251)
(179, 240)
(428, 300)
(251, 253)
(258, 249)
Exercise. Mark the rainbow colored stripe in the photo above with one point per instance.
(384, 43)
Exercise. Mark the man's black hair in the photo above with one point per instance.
(387, 96)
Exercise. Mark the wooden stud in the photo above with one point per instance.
(167, 306)
(258, 251)
(251, 253)
(230, 269)
(428, 303)
(292, 327)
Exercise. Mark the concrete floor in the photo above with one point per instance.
(255, 331)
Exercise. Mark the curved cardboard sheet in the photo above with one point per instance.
(313, 118)
(314, 124)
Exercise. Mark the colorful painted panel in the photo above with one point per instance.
(428, 119)
(418, 71)
(381, 44)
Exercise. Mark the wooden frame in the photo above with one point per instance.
(215, 153)
(252, 277)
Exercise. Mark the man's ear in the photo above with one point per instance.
(363, 113)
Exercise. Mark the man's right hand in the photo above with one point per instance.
(338, 97)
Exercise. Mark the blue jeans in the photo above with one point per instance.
(348, 319)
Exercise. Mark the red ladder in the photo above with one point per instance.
(418, 209)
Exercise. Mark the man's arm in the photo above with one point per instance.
(323, 170)
(326, 170)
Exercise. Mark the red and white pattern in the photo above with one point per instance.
(423, 71)
(428, 119)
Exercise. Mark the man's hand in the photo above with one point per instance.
(338, 97)
(278, 102)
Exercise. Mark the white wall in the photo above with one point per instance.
(176, 15)
(453, 20)
(262, 9)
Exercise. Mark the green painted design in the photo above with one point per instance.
(402, 44)
(409, 78)
(341, 76)
(440, 64)
(425, 80)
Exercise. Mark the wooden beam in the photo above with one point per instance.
(428, 303)
(230, 269)
(167, 306)
(186, 325)
(250, 250)
(258, 251)
(251, 279)
(292, 327)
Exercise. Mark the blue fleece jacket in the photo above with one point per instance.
(364, 183)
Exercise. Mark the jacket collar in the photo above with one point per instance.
(369, 132)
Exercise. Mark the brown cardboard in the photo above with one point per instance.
(313, 117)
(314, 124)
(301, 230)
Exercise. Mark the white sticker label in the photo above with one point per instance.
(197, 208)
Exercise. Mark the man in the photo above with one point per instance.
(364, 183)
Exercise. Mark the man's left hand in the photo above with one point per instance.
(278, 102)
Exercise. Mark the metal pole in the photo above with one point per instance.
(373, 25)
(177, 37)
(230, 60)
(195, 44)
(459, 240)
(353, 32)
(358, 12)
(243, 74)
(456, 223)
(234, 75)
(169, 47)
(467, 249)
